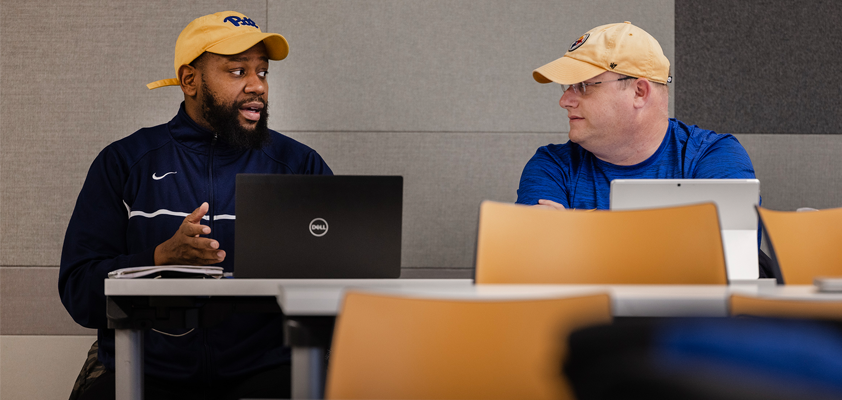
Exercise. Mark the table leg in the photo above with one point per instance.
(308, 373)
(128, 364)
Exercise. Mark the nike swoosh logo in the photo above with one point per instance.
(158, 178)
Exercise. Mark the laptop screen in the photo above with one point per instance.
(317, 226)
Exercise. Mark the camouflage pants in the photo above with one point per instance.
(91, 370)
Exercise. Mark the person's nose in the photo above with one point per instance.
(255, 85)
(568, 99)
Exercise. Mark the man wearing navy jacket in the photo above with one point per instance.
(165, 195)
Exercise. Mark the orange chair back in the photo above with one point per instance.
(805, 245)
(676, 245)
(784, 308)
(387, 347)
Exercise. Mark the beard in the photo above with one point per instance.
(225, 121)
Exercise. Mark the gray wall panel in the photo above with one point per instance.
(41, 367)
(759, 67)
(446, 176)
(439, 91)
(433, 65)
(74, 76)
(797, 170)
(31, 304)
(369, 65)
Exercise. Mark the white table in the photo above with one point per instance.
(324, 297)
(302, 297)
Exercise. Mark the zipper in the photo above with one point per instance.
(208, 356)
(208, 369)
(210, 188)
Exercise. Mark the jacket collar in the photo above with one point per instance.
(194, 136)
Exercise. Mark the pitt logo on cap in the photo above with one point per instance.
(237, 21)
(579, 42)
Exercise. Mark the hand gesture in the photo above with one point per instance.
(186, 247)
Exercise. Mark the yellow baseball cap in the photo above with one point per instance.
(225, 33)
(621, 48)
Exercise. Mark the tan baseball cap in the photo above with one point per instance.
(621, 48)
(225, 33)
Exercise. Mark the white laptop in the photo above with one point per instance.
(735, 200)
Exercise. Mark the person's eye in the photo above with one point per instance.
(263, 74)
(238, 72)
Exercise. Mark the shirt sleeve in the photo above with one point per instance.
(727, 159)
(543, 178)
(316, 165)
(95, 242)
(724, 158)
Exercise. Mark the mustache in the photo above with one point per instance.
(241, 103)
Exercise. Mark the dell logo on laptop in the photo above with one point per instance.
(318, 227)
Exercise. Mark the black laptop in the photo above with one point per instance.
(318, 227)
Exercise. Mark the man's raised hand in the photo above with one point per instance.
(187, 247)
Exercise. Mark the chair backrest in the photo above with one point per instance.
(784, 308)
(804, 245)
(388, 347)
(675, 245)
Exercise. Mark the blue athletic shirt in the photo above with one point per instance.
(575, 178)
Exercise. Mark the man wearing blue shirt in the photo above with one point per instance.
(614, 80)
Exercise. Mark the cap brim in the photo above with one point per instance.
(276, 45)
(162, 83)
(566, 71)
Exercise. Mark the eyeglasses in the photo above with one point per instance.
(582, 87)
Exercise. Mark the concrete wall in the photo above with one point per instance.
(439, 91)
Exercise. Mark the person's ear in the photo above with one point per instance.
(642, 91)
(189, 80)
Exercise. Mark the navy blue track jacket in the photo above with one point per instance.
(135, 197)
